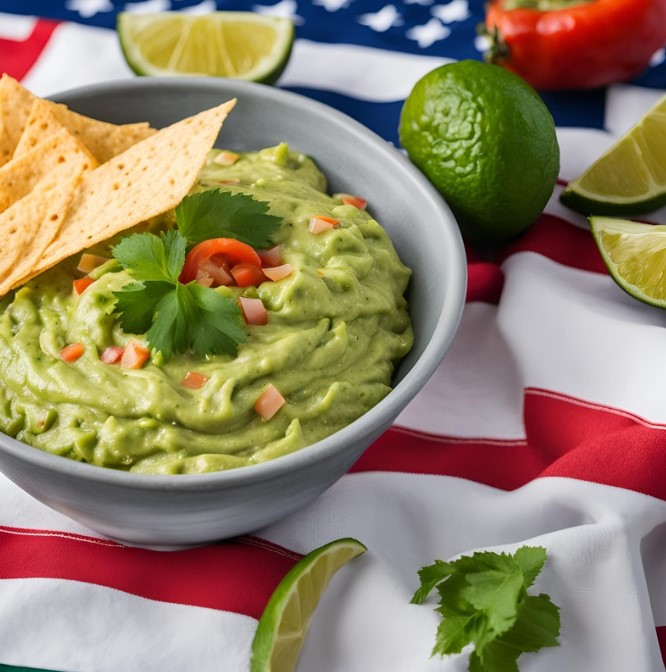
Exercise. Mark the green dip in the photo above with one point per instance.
(336, 326)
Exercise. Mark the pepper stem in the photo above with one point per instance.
(498, 51)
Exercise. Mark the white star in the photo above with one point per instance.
(88, 8)
(427, 34)
(456, 10)
(482, 43)
(418, 2)
(148, 7)
(332, 5)
(381, 21)
(205, 7)
(285, 9)
(658, 57)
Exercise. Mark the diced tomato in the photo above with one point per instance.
(269, 403)
(223, 252)
(271, 257)
(90, 262)
(134, 356)
(226, 158)
(254, 310)
(81, 284)
(70, 353)
(247, 275)
(194, 380)
(356, 201)
(278, 272)
(321, 223)
(112, 354)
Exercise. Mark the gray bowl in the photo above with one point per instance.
(191, 509)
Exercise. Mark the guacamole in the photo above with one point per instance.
(336, 326)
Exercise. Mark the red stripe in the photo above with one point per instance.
(565, 437)
(214, 576)
(18, 57)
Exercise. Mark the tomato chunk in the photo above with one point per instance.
(134, 356)
(112, 354)
(89, 262)
(271, 257)
(247, 275)
(81, 284)
(254, 310)
(70, 353)
(278, 272)
(226, 158)
(356, 201)
(194, 380)
(223, 252)
(269, 403)
(321, 223)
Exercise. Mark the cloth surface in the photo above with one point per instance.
(544, 425)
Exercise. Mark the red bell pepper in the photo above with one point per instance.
(575, 44)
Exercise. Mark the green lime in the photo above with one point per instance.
(629, 178)
(284, 623)
(487, 141)
(635, 255)
(241, 45)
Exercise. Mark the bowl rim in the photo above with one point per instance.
(379, 415)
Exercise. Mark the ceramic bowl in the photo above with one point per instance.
(192, 509)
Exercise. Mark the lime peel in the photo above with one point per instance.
(284, 624)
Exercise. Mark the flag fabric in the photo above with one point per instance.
(544, 425)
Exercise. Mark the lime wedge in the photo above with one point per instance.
(630, 178)
(284, 623)
(635, 255)
(240, 45)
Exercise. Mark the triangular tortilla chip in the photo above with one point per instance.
(59, 157)
(15, 102)
(146, 180)
(28, 227)
(104, 140)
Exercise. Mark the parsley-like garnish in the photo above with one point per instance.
(174, 317)
(484, 601)
(222, 214)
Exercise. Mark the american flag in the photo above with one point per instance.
(544, 425)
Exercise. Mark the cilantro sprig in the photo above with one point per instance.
(484, 601)
(180, 317)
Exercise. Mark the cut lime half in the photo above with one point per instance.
(635, 255)
(286, 618)
(630, 178)
(240, 45)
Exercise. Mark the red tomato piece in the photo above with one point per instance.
(247, 275)
(194, 380)
(321, 223)
(81, 284)
(278, 272)
(134, 356)
(70, 353)
(356, 201)
(254, 310)
(269, 403)
(217, 271)
(112, 354)
(222, 251)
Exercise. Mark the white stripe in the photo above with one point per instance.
(79, 627)
(595, 572)
(365, 73)
(13, 27)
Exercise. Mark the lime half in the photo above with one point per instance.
(630, 178)
(241, 45)
(635, 255)
(284, 623)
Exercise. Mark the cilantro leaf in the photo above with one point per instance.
(174, 317)
(484, 601)
(150, 257)
(222, 214)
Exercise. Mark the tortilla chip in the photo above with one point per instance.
(28, 227)
(54, 160)
(146, 180)
(104, 140)
(15, 102)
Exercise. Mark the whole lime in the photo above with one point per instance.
(487, 141)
